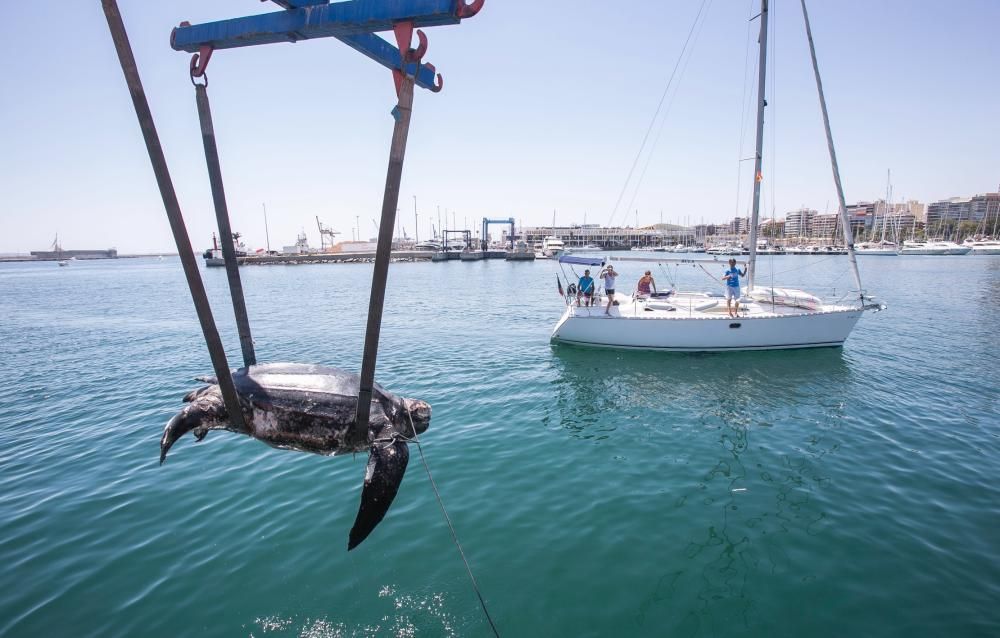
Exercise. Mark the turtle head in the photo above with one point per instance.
(204, 412)
(420, 414)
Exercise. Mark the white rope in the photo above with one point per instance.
(454, 534)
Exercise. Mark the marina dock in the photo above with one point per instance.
(368, 256)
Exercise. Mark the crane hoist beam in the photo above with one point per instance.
(353, 22)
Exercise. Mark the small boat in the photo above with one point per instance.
(63, 262)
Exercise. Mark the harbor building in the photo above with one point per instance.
(771, 228)
(798, 223)
(609, 238)
(975, 209)
(824, 226)
(739, 226)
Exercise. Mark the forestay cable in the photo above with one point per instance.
(656, 114)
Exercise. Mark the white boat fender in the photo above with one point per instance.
(706, 305)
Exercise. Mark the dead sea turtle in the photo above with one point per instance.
(311, 408)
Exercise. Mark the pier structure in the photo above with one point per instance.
(610, 238)
(49, 255)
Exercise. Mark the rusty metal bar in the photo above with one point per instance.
(225, 230)
(390, 201)
(173, 210)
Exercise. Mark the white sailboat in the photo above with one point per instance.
(770, 317)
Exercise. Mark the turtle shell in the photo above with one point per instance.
(313, 389)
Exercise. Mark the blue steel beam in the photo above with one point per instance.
(316, 21)
(295, 4)
(388, 56)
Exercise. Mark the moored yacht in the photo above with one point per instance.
(432, 245)
(911, 247)
(882, 248)
(983, 246)
(951, 248)
(552, 247)
(933, 247)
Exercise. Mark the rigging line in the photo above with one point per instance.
(663, 121)
(711, 276)
(750, 105)
(454, 534)
(655, 115)
(666, 273)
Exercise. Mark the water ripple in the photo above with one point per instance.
(595, 492)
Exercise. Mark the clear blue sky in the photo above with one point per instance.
(544, 107)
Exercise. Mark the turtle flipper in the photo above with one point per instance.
(383, 474)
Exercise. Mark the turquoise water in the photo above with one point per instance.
(834, 492)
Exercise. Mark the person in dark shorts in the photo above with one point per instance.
(585, 288)
(609, 275)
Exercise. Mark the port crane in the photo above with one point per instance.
(324, 232)
(484, 241)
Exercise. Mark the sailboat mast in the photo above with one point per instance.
(848, 235)
(759, 155)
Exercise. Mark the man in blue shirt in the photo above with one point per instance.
(585, 288)
(732, 279)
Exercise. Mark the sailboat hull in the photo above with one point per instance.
(590, 327)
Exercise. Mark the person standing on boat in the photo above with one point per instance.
(732, 279)
(609, 274)
(585, 288)
(644, 284)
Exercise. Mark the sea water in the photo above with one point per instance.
(833, 492)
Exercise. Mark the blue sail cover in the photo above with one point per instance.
(582, 261)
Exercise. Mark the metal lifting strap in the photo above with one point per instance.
(381, 272)
(222, 216)
(173, 210)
